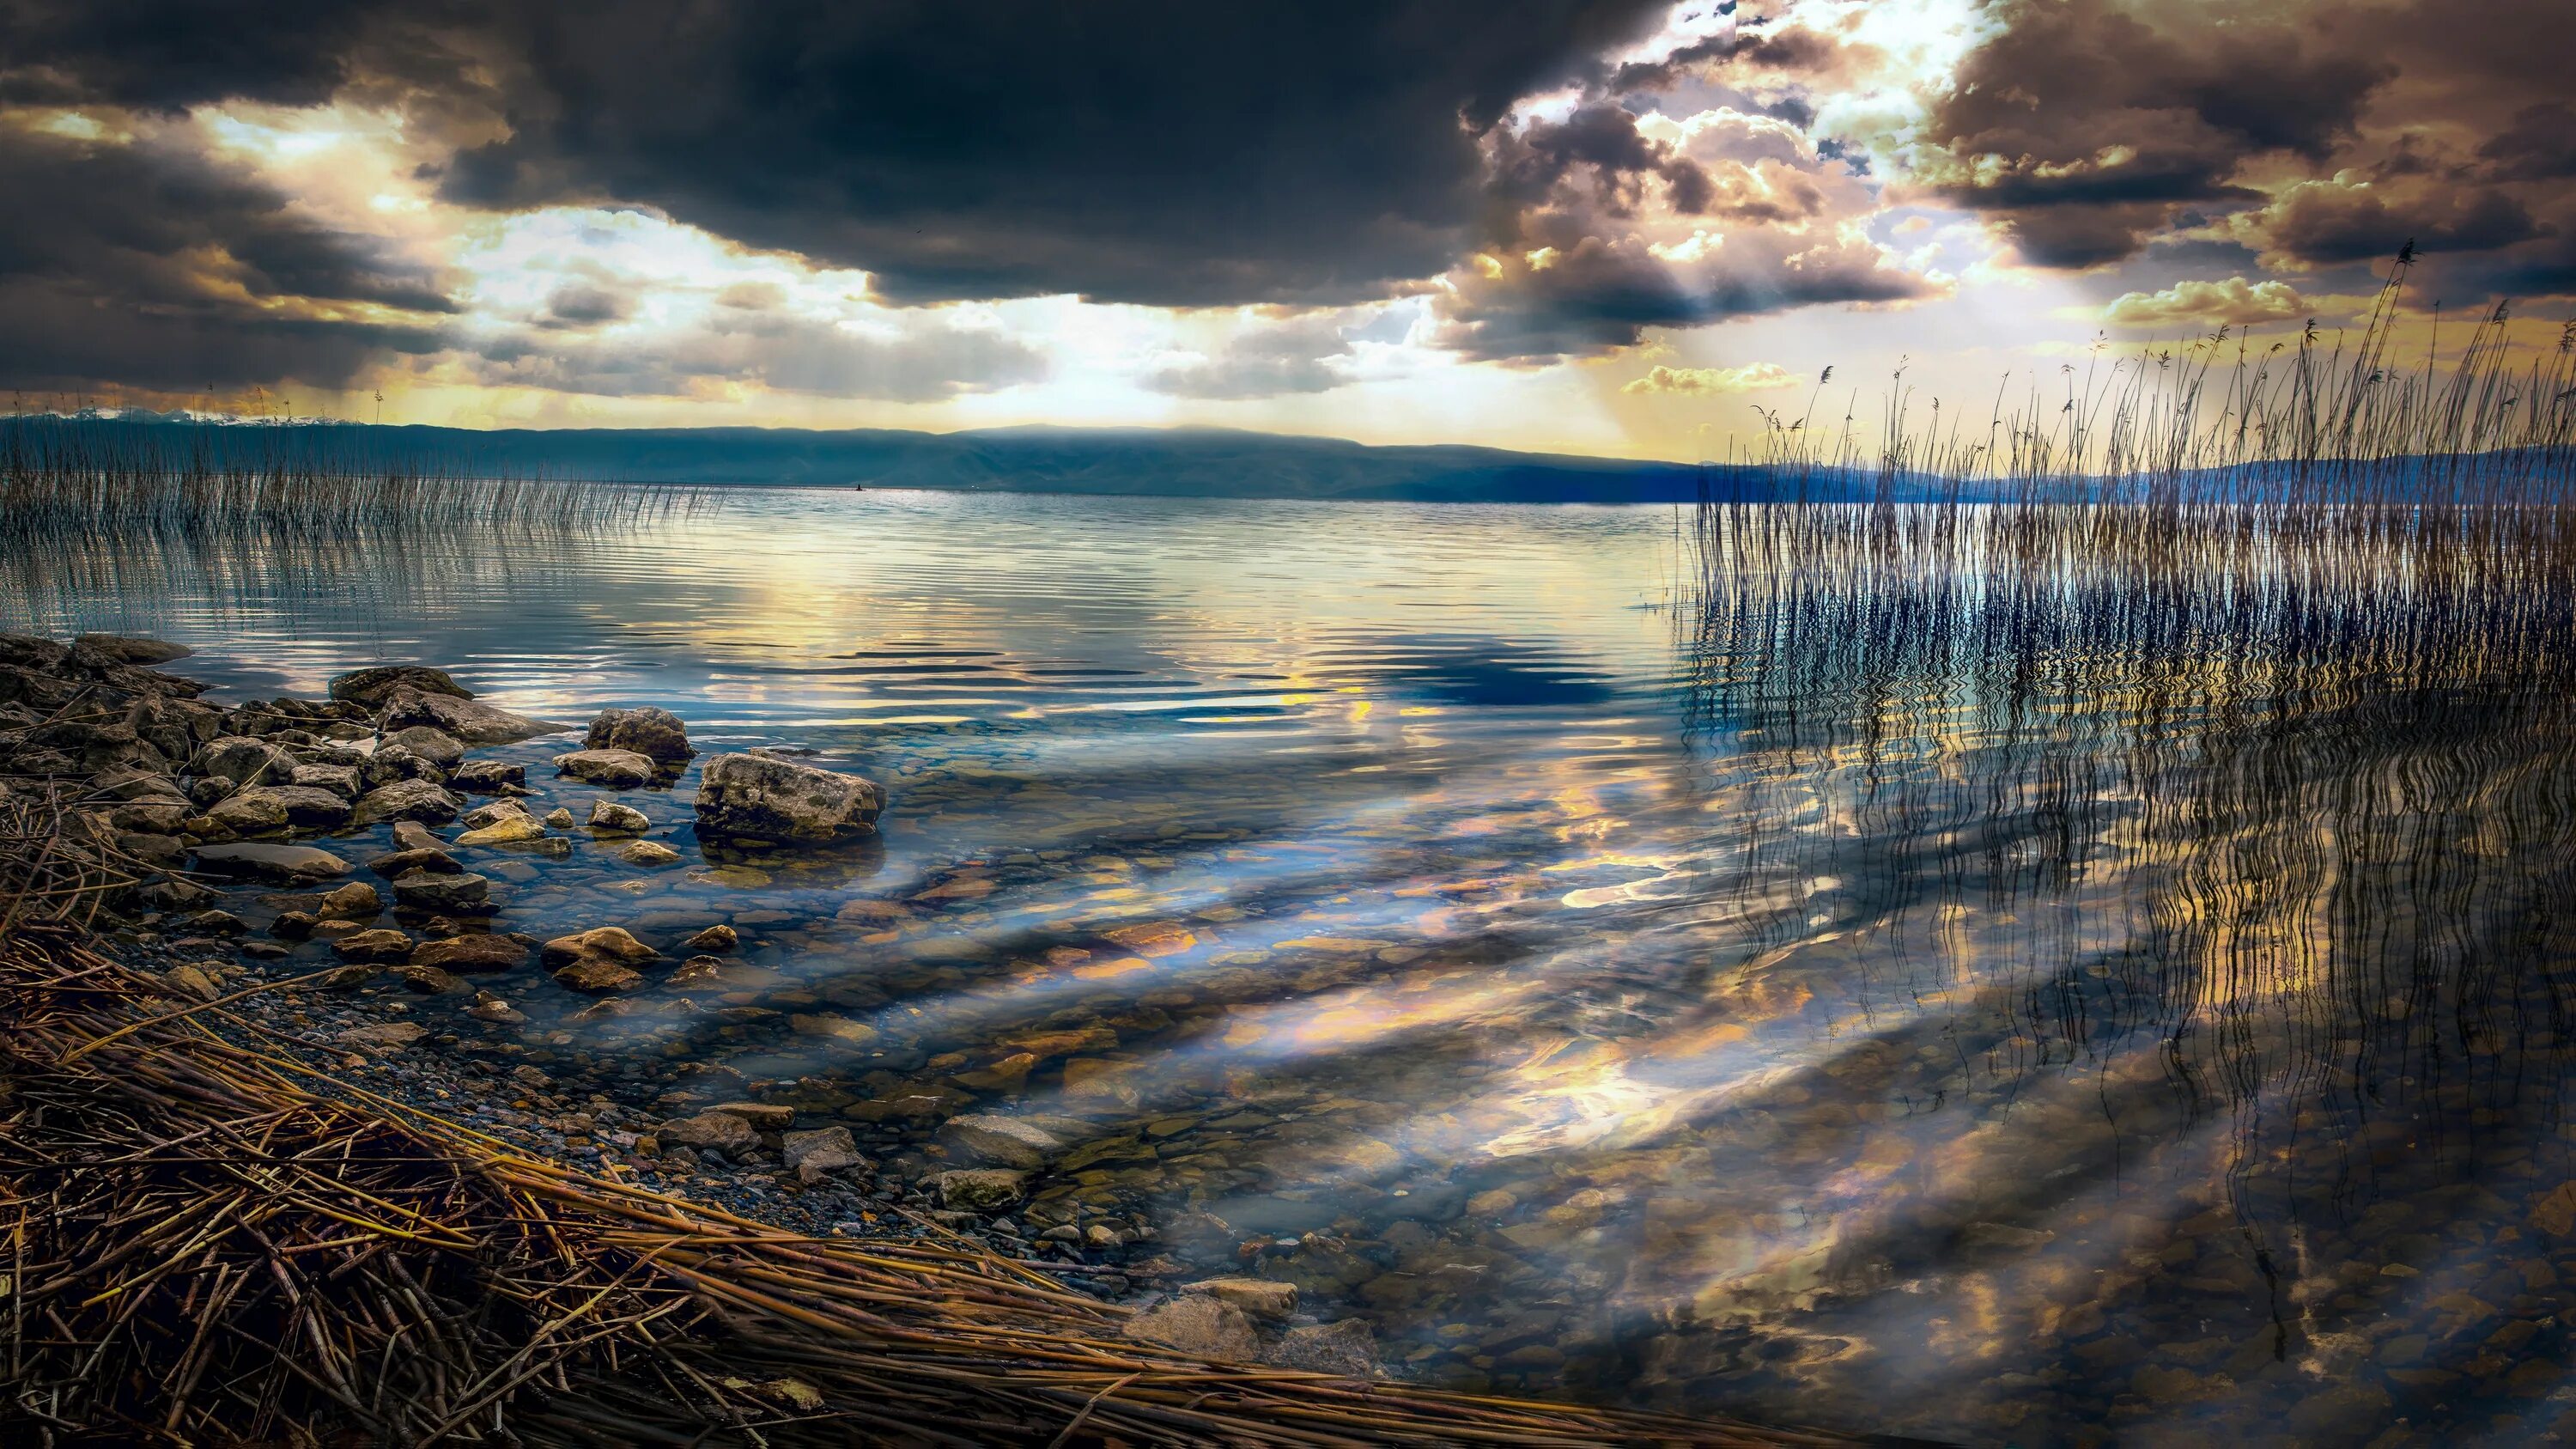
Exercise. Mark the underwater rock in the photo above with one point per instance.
(1007, 1141)
(473, 953)
(1345, 1347)
(779, 802)
(1258, 1297)
(1197, 1325)
(980, 1188)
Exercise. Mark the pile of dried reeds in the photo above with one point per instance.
(206, 1238)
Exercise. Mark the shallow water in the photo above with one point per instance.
(1767, 1002)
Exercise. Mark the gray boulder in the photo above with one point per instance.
(469, 720)
(656, 734)
(430, 743)
(778, 802)
(615, 769)
(242, 760)
(442, 893)
(405, 800)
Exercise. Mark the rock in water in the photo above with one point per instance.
(623, 819)
(280, 864)
(129, 649)
(469, 720)
(405, 800)
(372, 687)
(486, 777)
(616, 769)
(264, 807)
(778, 802)
(1197, 1325)
(467, 954)
(243, 760)
(720, 1130)
(980, 1188)
(1006, 1141)
(656, 734)
(1345, 1347)
(443, 894)
(430, 743)
(602, 960)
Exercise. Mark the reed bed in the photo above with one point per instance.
(81, 480)
(208, 1238)
(2222, 709)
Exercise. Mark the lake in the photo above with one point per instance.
(2004, 1006)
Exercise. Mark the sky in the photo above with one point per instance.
(1618, 227)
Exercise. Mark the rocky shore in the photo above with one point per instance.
(332, 868)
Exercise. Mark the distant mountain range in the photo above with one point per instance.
(1176, 462)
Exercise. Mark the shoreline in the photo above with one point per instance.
(315, 973)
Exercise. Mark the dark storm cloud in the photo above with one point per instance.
(2083, 126)
(157, 267)
(1602, 144)
(2540, 145)
(1595, 293)
(2323, 223)
(1167, 153)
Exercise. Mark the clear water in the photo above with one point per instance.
(1421, 904)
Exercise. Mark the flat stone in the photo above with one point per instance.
(412, 835)
(767, 1116)
(599, 978)
(471, 954)
(1005, 1141)
(277, 864)
(615, 769)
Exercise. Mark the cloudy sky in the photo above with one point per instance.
(1602, 226)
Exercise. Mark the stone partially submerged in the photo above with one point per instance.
(656, 734)
(615, 769)
(278, 864)
(470, 721)
(770, 801)
(372, 687)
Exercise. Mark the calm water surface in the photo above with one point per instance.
(1429, 906)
